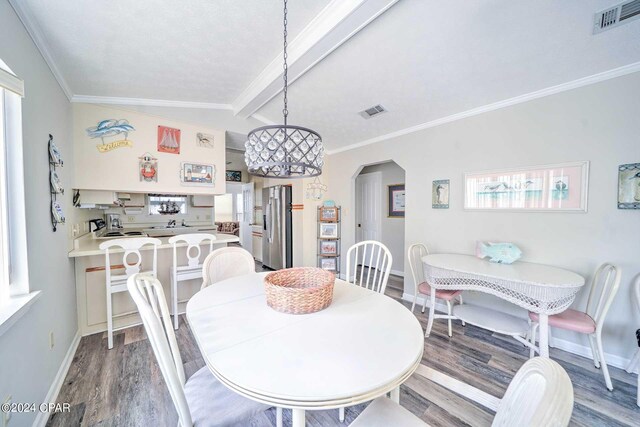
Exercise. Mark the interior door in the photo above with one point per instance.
(246, 219)
(368, 206)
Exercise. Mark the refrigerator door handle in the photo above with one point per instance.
(268, 222)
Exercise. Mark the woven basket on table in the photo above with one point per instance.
(299, 290)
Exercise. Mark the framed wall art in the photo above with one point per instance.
(233, 176)
(329, 264)
(329, 247)
(168, 140)
(329, 230)
(440, 194)
(396, 200)
(550, 188)
(629, 186)
(197, 174)
(328, 214)
(204, 140)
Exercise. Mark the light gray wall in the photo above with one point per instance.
(598, 123)
(392, 227)
(27, 366)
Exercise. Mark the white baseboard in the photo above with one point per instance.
(559, 343)
(56, 385)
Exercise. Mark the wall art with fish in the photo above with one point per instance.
(109, 128)
(560, 187)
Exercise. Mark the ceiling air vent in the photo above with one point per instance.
(616, 15)
(375, 110)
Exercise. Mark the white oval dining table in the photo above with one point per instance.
(539, 288)
(362, 346)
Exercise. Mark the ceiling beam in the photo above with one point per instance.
(334, 25)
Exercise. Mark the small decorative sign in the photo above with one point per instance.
(629, 186)
(108, 128)
(440, 194)
(168, 140)
(204, 140)
(328, 214)
(197, 174)
(329, 247)
(396, 201)
(233, 176)
(329, 264)
(148, 168)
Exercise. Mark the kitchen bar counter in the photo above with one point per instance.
(90, 277)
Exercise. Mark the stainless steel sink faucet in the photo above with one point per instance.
(172, 223)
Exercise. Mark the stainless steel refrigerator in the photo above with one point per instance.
(277, 235)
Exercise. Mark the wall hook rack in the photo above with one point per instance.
(55, 185)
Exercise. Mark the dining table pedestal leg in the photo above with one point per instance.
(544, 334)
(395, 395)
(297, 417)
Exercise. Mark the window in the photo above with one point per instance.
(4, 225)
(163, 204)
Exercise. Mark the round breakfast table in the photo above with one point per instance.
(362, 346)
(539, 288)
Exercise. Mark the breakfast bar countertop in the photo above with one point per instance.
(89, 246)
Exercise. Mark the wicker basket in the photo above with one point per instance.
(299, 290)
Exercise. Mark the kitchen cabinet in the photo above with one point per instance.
(202, 201)
(98, 197)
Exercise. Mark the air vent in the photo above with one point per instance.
(375, 110)
(616, 15)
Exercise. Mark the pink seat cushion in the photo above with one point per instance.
(570, 320)
(446, 295)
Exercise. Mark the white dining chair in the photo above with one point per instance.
(540, 394)
(116, 283)
(189, 271)
(374, 260)
(225, 263)
(202, 400)
(634, 364)
(604, 287)
(421, 287)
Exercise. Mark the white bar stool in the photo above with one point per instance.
(115, 283)
(193, 268)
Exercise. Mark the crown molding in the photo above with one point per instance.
(111, 100)
(335, 24)
(574, 84)
(24, 13)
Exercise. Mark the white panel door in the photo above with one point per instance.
(368, 206)
(246, 219)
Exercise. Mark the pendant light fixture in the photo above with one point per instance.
(284, 151)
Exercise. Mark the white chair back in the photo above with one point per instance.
(540, 394)
(131, 245)
(226, 262)
(415, 253)
(375, 258)
(148, 295)
(604, 287)
(193, 251)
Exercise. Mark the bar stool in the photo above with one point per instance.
(193, 268)
(115, 283)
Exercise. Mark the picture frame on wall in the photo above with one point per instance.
(329, 230)
(329, 247)
(168, 140)
(197, 174)
(233, 176)
(328, 214)
(440, 194)
(396, 200)
(629, 186)
(549, 188)
(330, 264)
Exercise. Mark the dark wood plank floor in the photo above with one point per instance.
(124, 387)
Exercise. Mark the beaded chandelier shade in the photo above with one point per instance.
(284, 151)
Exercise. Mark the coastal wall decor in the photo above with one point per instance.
(502, 253)
(111, 128)
(395, 200)
(204, 140)
(549, 188)
(440, 194)
(197, 174)
(233, 176)
(148, 168)
(168, 140)
(629, 186)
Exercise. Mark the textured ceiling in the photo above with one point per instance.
(424, 60)
(190, 50)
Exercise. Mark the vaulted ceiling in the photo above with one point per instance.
(426, 61)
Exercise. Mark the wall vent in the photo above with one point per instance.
(616, 15)
(375, 110)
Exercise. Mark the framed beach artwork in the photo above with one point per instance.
(168, 140)
(197, 174)
(233, 176)
(629, 186)
(329, 264)
(549, 188)
(396, 201)
(329, 230)
(440, 194)
(329, 247)
(204, 140)
(328, 214)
